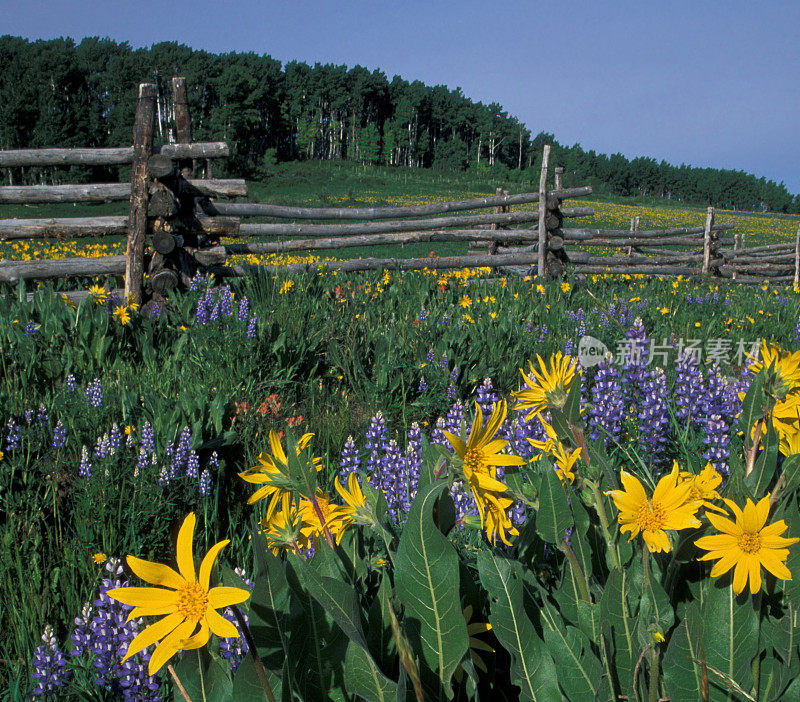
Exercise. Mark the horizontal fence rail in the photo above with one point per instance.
(108, 192)
(250, 209)
(107, 156)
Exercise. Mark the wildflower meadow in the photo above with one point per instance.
(422, 486)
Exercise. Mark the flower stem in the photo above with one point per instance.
(321, 517)
(654, 674)
(577, 572)
(178, 683)
(601, 512)
(262, 674)
(202, 680)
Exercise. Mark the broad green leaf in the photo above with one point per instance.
(572, 407)
(426, 581)
(791, 467)
(269, 606)
(364, 678)
(553, 517)
(753, 406)
(379, 629)
(317, 645)
(616, 607)
(682, 674)
(571, 652)
(533, 668)
(731, 637)
(247, 685)
(765, 465)
(205, 675)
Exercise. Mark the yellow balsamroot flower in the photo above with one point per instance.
(355, 504)
(282, 527)
(497, 523)
(790, 443)
(704, 486)
(69, 301)
(185, 599)
(330, 515)
(747, 544)
(271, 471)
(99, 558)
(669, 509)
(465, 301)
(286, 287)
(565, 460)
(547, 387)
(481, 457)
(122, 314)
(99, 295)
(785, 364)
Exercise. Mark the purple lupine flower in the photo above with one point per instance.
(431, 356)
(205, 483)
(234, 650)
(42, 416)
(653, 419)
(634, 363)
(59, 435)
(148, 438)
(114, 439)
(394, 478)
(31, 328)
(717, 440)
(111, 635)
(437, 435)
(213, 461)
(101, 447)
(251, 327)
(423, 315)
(226, 301)
(349, 458)
(81, 638)
(414, 462)
(487, 397)
(568, 347)
(244, 309)
(155, 311)
(797, 331)
(196, 282)
(28, 414)
(455, 417)
(94, 393)
(13, 438)
(192, 465)
(451, 392)
(49, 666)
(142, 461)
(201, 313)
(516, 513)
(375, 443)
(181, 452)
(463, 499)
(423, 386)
(163, 476)
(689, 388)
(216, 311)
(607, 405)
(71, 383)
(85, 468)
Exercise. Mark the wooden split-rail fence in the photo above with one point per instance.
(183, 219)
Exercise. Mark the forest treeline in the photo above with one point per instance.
(59, 93)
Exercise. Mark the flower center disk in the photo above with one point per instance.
(474, 461)
(650, 518)
(749, 543)
(192, 601)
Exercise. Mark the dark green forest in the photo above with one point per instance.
(59, 93)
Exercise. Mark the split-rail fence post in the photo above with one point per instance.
(797, 258)
(540, 268)
(708, 243)
(137, 222)
(183, 123)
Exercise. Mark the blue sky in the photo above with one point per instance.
(704, 83)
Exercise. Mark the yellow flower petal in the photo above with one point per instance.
(168, 647)
(154, 632)
(221, 626)
(208, 563)
(184, 548)
(219, 597)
